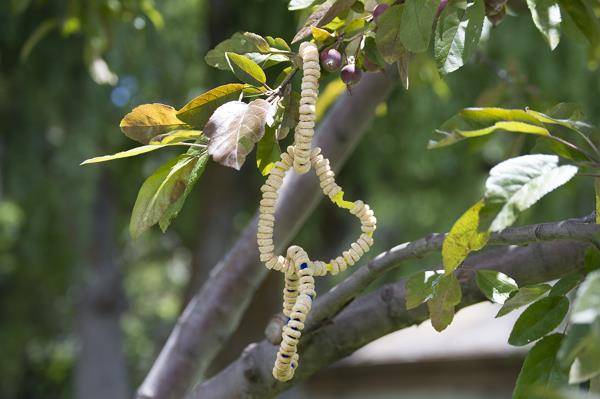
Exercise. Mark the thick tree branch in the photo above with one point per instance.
(333, 301)
(384, 310)
(214, 312)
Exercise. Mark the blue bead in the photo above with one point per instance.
(303, 266)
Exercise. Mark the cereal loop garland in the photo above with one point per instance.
(299, 291)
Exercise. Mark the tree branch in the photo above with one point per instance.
(333, 301)
(384, 310)
(215, 311)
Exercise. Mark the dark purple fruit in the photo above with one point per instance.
(351, 74)
(379, 9)
(331, 60)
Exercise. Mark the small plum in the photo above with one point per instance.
(331, 60)
(351, 74)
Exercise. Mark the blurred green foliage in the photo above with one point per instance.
(58, 107)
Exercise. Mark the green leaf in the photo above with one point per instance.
(457, 34)
(267, 152)
(546, 17)
(149, 120)
(592, 259)
(538, 320)
(476, 122)
(446, 295)
(277, 43)
(463, 238)
(585, 19)
(159, 191)
(246, 70)
(419, 287)
(126, 154)
(574, 343)
(176, 136)
(496, 286)
(198, 111)
(371, 52)
(416, 24)
(300, 4)
(324, 14)
(586, 307)
(587, 364)
(234, 128)
(174, 208)
(541, 369)
(387, 37)
(524, 296)
(566, 284)
(518, 183)
(247, 43)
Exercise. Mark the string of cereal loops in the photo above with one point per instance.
(299, 270)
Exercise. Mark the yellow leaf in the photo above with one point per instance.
(176, 136)
(320, 35)
(148, 121)
(125, 154)
(519, 127)
(463, 238)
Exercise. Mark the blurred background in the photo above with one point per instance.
(84, 309)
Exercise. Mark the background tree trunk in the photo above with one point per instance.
(101, 371)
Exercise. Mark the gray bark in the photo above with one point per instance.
(381, 312)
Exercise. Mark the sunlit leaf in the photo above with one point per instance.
(538, 320)
(496, 286)
(541, 369)
(159, 191)
(416, 24)
(176, 136)
(524, 296)
(234, 128)
(518, 183)
(126, 154)
(547, 18)
(300, 4)
(320, 35)
(198, 111)
(463, 238)
(419, 287)
(476, 122)
(247, 43)
(245, 69)
(324, 14)
(149, 120)
(446, 295)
